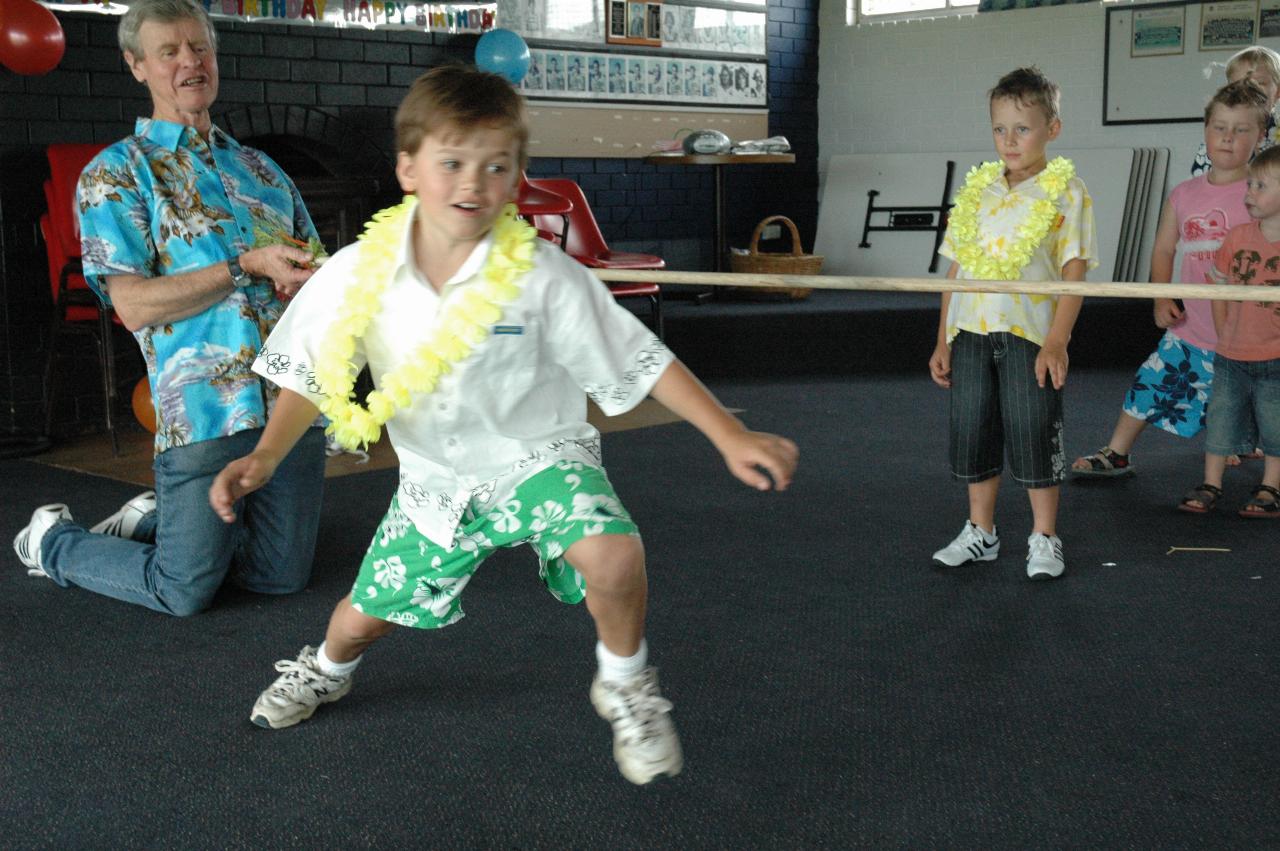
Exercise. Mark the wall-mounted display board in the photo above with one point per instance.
(1163, 61)
(367, 14)
(583, 130)
(686, 25)
(587, 75)
(633, 22)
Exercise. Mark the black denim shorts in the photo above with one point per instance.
(996, 406)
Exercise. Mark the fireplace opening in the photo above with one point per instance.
(342, 176)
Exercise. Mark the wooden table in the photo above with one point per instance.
(718, 162)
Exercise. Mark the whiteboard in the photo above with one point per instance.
(917, 179)
(1142, 85)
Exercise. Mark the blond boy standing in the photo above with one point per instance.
(1004, 357)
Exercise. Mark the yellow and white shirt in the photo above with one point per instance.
(1001, 211)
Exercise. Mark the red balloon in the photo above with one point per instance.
(31, 39)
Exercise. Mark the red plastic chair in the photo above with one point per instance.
(533, 201)
(586, 244)
(76, 308)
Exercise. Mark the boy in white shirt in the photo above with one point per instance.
(484, 343)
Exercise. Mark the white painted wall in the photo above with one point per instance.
(921, 85)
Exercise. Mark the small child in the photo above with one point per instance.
(1022, 218)
(1246, 385)
(1173, 386)
(1262, 65)
(485, 343)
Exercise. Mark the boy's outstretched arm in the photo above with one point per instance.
(289, 421)
(745, 452)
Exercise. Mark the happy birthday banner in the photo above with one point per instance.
(372, 14)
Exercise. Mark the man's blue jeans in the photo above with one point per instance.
(182, 552)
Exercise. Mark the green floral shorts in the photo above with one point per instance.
(409, 580)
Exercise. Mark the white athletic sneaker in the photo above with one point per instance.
(123, 522)
(1044, 556)
(27, 543)
(296, 693)
(970, 545)
(645, 743)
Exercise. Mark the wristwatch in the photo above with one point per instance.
(239, 277)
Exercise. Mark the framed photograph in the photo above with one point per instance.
(617, 19)
(1269, 19)
(1228, 26)
(597, 74)
(653, 21)
(617, 75)
(1158, 32)
(653, 77)
(634, 22)
(575, 72)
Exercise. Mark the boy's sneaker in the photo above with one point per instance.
(296, 693)
(971, 544)
(1044, 556)
(123, 522)
(27, 543)
(645, 743)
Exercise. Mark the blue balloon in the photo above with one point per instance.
(503, 52)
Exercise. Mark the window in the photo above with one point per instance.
(867, 10)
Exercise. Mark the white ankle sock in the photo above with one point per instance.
(334, 669)
(616, 669)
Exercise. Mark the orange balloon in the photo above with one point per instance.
(142, 407)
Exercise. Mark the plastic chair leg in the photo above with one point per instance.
(107, 363)
(47, 391)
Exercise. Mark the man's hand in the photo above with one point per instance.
(747, 452)
(940, 365)
(1053, 361)
(287, 267)
(242, 476)
(1166, 312)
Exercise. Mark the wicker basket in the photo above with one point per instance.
(794, 263)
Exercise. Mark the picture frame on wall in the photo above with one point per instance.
(637, 22)
(1269, 19)
(1228, 26)
(1158, 32)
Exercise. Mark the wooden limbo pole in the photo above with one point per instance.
(1102, 289)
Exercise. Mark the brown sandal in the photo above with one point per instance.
(1259, 508)
(1205, 494)
(1106, 463)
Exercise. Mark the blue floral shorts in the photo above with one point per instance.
(1172, 388)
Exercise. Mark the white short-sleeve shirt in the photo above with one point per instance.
(514, 406)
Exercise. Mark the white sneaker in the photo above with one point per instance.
(1044, 556)
(971, 544)
(123, 522)
(645, 743)
(27, 543)
(296, 693)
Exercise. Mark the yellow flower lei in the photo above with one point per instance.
(462, 325)
(972, 256)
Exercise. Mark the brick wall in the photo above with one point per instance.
(359, 77)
